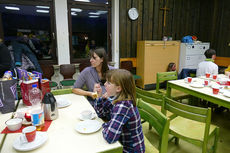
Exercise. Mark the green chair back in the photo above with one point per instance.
(67, 83)
(165, 76)
(198, 114)
(150, 97)
(61, 91)
(157, 120)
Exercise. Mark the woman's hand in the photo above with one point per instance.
(97, 91)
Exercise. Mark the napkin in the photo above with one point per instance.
(45, 128)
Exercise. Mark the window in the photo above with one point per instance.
(29, 19)
(89, 26)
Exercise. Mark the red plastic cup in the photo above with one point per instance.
(29, 133)
(206, 82)
(207, 75)
(215, 91)
(189, 79)
(214, 77)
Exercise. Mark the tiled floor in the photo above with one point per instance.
(220, 119)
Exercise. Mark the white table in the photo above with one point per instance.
(203, 93)
(62, 136)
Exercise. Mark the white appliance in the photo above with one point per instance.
(191, 54)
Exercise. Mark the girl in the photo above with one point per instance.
(118, 104)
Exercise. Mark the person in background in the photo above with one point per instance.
(20, 46)
(5, 59)
(171, 67)
(93, 74)
(207, 66)
(124, 123)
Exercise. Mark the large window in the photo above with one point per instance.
(31, 20)
(89, 26)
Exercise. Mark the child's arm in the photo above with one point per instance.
(103, 107)
(112, 130)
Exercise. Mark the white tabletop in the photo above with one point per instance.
(205, 90)
(62, 136)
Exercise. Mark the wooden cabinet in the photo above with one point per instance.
(153, 57)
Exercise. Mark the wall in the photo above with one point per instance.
(207, 19)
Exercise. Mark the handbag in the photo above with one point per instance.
(8, 94)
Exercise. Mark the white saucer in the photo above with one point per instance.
(93, 116)
(197, 85)
(61, 103)
(88, 126)
(40, 139)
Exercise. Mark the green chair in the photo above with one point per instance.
(53, 85)
(67, 83)
(192, 124)
(61, 91)
(167, 76)
(159, 122)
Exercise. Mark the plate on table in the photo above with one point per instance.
(197, 85)
(93, 116)
(61, 102)
(40, 139)
(227, 94)
(88, 126)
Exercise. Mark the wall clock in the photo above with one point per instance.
(133, 13)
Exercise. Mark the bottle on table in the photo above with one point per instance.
(37, 111)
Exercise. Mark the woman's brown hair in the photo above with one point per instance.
(102, 54)
(124, 79)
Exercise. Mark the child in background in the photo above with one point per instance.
(171, 67)
(118, 104)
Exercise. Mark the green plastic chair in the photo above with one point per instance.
(67, 83)
(166, 76)
(61, 91)
(192, 124)
(159, 122)
(53, 85)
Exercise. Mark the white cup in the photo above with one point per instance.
(87, 114)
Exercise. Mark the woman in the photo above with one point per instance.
(93, 74)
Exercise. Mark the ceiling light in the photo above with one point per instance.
(76, 9)
(82, 0)
(42, 11)
(44, 7)
(73, 13)
(107, 3)
(12, 8)
(93, 16)
(94, 13)
(102, 12)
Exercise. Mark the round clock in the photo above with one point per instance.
(133, 13)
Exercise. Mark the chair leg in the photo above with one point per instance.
(216, 140)
(150, 127)
(176, 141)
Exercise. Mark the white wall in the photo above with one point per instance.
(115, 32)
(62, 32)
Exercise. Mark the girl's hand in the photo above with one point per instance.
(97, 91)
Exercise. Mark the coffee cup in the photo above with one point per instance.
(214, 76)
(207, 75)
(189, 79)
(215, 89)
(87, 114)
(206, 82)
(28, 134)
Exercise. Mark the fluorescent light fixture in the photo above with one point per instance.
(12, 8)
(73, 13)
(94, 13)
(42, 11)
(82, 0)
(44, 7)
(93, 16)
(102, 12)
(76, 10)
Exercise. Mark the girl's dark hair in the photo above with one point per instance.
(208, 53)
(102, 54)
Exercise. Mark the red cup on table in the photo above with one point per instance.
(214, 76)
(207, 75)
(28, 134)
(206, 82)
(215, 90)
(189, 79)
